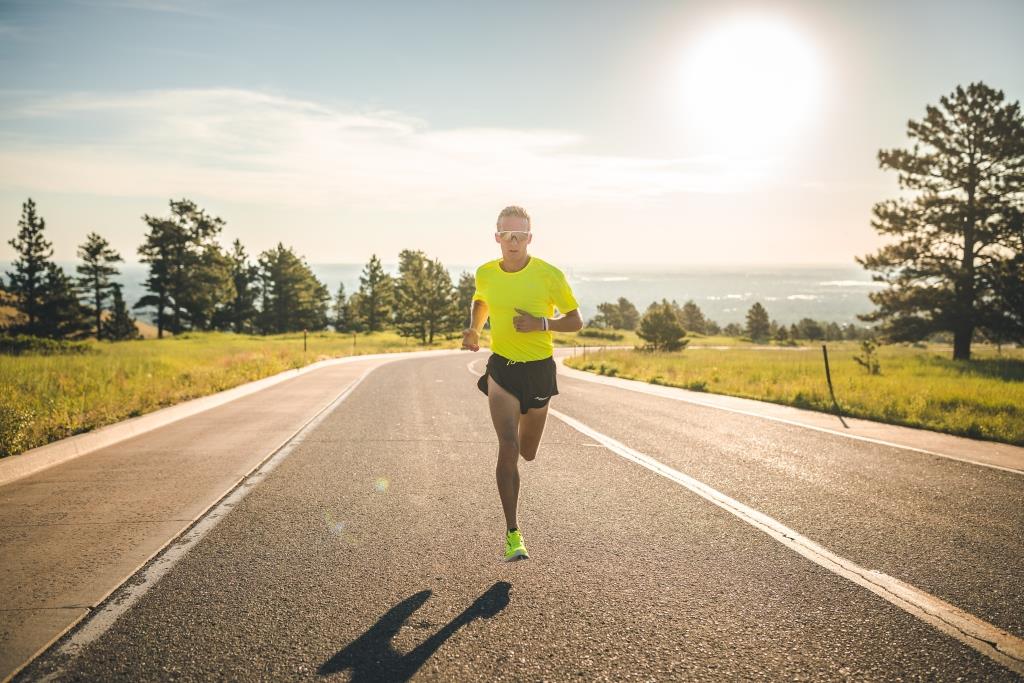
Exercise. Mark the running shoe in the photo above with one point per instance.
(514, 546)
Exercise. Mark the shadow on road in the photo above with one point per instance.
(372, 657)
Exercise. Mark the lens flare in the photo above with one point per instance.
(381, 485)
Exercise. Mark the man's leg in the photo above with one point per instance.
(531, 428)
(505, 416)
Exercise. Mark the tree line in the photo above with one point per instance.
(665, 323)
(193, 283)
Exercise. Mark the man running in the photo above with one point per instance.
(520, 376)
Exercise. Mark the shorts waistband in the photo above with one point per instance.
(510, 361)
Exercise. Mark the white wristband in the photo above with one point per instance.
(545, 324)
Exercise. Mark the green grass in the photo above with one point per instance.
(48, 397)
(918, 387)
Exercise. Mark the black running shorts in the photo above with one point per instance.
(531, 381)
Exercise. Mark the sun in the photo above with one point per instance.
(749, 83)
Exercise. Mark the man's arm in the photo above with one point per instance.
(570, 322)
(479, 315)
(471, 335)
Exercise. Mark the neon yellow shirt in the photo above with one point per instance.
(538, 288)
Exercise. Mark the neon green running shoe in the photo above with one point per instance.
(514, 546)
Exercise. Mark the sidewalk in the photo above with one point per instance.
(73, 532)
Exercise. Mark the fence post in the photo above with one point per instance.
(828, 377)
(303, 341)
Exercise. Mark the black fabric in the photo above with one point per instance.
(526, 380)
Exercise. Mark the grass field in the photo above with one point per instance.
(45, 398)
(919, 387)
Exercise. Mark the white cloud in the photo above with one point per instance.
(264, 148)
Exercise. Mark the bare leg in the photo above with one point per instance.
(505, 416)
(531, 428)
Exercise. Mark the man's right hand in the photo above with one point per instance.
(470, 339)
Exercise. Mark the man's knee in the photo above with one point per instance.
(509, 444)
(528, 452)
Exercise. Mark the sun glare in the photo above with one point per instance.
(749, 83)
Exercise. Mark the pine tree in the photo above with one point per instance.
(693, 318)
(94, 274)
(61, 315)
(341, 320)
(376, 295)
(961, 224)
(660, 328)
(757, 322)
(26, 281)
(425, 300)
(465, 289)
(190, 275)
(292, 298)
(629, 317)
(120, 325)
(239, 313)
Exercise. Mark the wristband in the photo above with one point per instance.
(545, 324)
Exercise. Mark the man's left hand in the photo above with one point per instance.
(527, 322)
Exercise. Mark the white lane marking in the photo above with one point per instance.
(665, 392)
(103, 617)
(989, 640)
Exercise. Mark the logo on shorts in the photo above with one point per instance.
(539, 398)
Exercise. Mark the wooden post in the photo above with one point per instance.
(828, 377)
(303, 341)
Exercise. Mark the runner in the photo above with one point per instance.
(520, 377)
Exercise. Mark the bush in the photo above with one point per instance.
(594, 332)
(21, 344)
(14, 426)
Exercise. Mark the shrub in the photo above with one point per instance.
(21, 344)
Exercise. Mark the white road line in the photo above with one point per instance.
(102, 618)
(989, 640)
(665, 392)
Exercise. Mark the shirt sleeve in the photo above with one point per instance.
(478, 294)
(561, 294)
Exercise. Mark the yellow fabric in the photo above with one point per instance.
(538, 288)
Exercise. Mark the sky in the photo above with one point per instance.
(645, 133)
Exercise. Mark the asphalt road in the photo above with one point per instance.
(373, 551)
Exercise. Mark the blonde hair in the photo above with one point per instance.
(517, 211)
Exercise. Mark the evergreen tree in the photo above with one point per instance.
(757, 322)
(465, 290)
(425, 300)
(342, 319)
(190, 276)
(781, 334)
(356, 322)
(629, 317)
(660, 328)
(240, 313)
(376, 295)
(810, 329)
(94, 275)
(292, 298)
(961, 225)
(120, 325)
(732, 330)
(26, 281)
(794, 332)
(608, 315)
(693, 318)
(1004, 322)
(61, 315)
